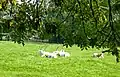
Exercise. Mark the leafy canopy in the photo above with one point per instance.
(87, 23)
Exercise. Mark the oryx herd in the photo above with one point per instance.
(53, 54)
(63, 53)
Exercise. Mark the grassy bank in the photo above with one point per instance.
(19, 61)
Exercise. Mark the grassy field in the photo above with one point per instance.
(19, 61)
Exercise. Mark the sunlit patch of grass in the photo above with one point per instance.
(19, 61)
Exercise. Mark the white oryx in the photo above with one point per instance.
(54, 54)
(62, 53)
(47, 54)
(98, 55)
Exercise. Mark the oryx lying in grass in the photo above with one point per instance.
(47, 54)
(98, 55)
(43, 53)
(62, 53)
(54, 54)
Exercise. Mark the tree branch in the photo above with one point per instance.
(67, 16)
(93, 13)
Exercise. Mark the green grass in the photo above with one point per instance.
(19, 61)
